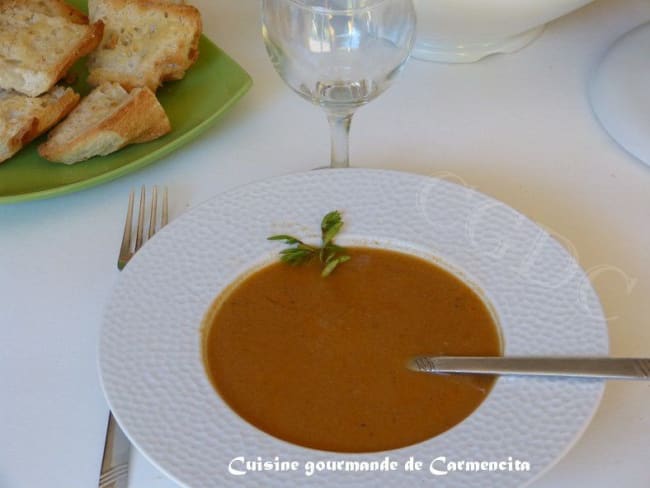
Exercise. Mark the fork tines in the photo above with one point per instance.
(128, 249)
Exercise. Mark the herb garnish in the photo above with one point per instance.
(330, 254)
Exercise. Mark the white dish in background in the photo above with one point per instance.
(150, 356)
(620, 94)
(464, 31)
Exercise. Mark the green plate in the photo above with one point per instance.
(209, 88)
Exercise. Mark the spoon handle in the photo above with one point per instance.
(577, 367)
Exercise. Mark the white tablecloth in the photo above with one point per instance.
(518, 127)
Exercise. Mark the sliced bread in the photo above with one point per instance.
(53, 8)
(39, 42)
(145, 43)
(108, 119)
(24, 118)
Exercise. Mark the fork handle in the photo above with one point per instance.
(116, 453)
(603, 368)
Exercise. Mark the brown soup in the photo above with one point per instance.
(321, 362)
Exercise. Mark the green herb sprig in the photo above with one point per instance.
(329, 254)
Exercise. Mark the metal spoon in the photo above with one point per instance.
(577, 367)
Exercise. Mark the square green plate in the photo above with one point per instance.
(209, 88)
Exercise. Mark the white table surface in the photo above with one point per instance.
(517, 127)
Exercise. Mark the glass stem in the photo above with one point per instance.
(340, 136)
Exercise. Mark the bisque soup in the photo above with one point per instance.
(321, 362)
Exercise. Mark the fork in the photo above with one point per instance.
(126, 249)
(115, 460)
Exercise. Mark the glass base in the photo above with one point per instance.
(444, 51)
(618, 92)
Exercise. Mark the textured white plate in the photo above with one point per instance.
(149, 352)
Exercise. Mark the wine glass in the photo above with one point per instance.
(338, 54)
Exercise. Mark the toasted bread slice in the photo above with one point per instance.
(145, 43)
(169, 2)
(39, 41)
(108, 119)
(24, 118)
(53, 8)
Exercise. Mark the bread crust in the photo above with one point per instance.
(64, 106)
(140, 119)
(39, 123)
(171, 66)
(72, 14)
(15, 143)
